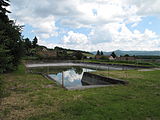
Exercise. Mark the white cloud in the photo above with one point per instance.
(107, 22)
(81, 11)
(44, 27)
(118, 36)
(147, 7)
(134, 25)
(122, 38)
(75, 38)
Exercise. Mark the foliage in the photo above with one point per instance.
(126, 55)
(98, 52)
(3, 10)
(70, 50)
(113, 55)
(78, 55)
(101, 52)
(10, 40)
(61, 54)
(34, 43)
(27, 46)
(64, 54)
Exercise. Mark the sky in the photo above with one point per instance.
(90, 25)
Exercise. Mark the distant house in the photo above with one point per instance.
(88, 57)
(123, 58)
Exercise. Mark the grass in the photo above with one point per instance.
(89, 55)
(135, 63)
(32, 97)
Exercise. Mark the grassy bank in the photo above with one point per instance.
(133, 63)
(32, 97)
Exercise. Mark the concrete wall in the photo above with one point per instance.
(92, 79)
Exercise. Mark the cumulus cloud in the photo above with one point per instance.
(75, 38)
(122, 38)
(107, 20)
(82, 10)
(147, 7)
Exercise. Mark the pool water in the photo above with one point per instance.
(71, 77)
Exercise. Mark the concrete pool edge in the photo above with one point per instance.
(89, 63)
(86, 87)
(74, 88)
(94, 77)
(95, 66)
(109, 80)
(119, 82)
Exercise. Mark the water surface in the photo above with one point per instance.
(71, 77)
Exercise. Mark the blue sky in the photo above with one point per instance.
(149, 22)
(90, 24)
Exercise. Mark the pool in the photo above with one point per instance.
(74, 76)
(71, 77)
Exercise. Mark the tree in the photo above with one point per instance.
(27, 46)
(113, 55)
(78, 55)
(34, 43)
(10, 40)
(126, 55)
(4, 59)
(3, 10)
(28, 43)
(78, 70)
(98, 52)
(101, 53)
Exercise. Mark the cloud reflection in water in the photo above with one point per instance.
(72, 77)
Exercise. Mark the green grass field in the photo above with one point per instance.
(32, 97)
(134, 63)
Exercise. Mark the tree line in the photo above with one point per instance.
(12, 44)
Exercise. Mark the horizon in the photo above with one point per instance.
(90, 25)
(107, 51)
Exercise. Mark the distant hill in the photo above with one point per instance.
(131, 53)
(71, 50)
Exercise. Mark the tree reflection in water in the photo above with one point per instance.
(78, 70)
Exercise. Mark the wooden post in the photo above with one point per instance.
(48, 70)
(126, 72)
(62, 80)
(25, 69)
(123, 72)
(108, 71)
